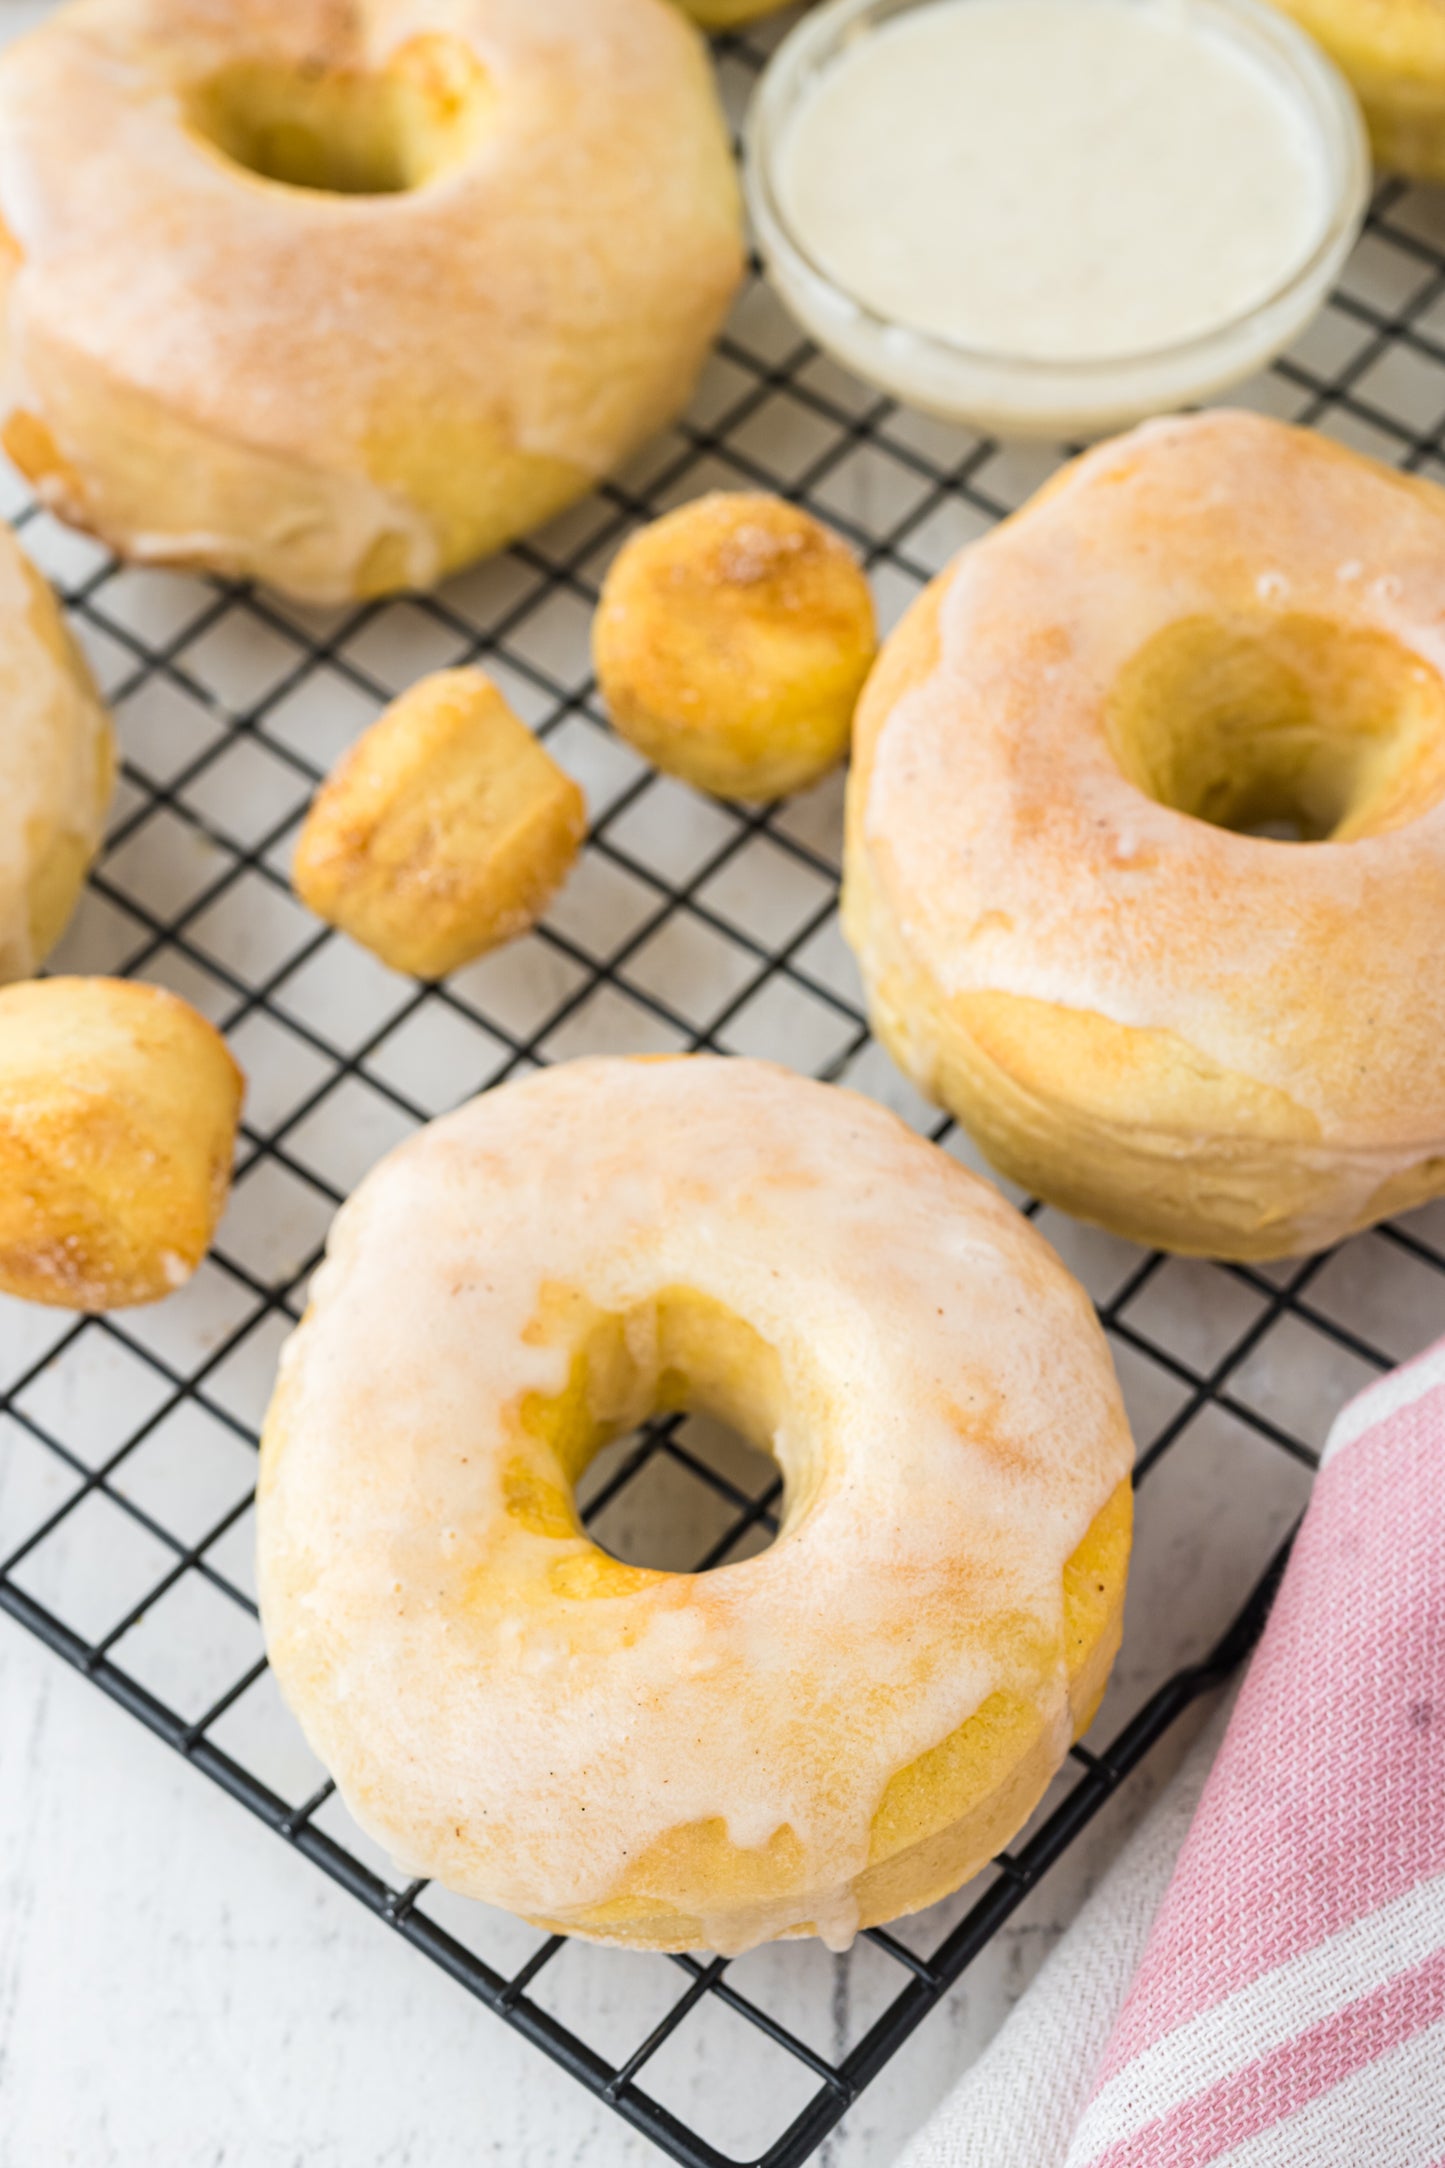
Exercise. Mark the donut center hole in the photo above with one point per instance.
(662, 1447)
(348, 131)
(682, 1494)
(1289, 727)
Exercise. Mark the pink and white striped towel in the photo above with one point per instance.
(1272, 1994)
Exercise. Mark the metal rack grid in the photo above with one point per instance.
(125, 1440)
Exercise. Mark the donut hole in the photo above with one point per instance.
(681, 1497)
(1291, 728)
(348, 131)
(610, 1458)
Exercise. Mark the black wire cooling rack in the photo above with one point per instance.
(126, 1441)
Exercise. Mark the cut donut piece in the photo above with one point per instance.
(732, 640)
(446, 830)
(118, 1113)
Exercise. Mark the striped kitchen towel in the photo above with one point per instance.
(1260, 1982)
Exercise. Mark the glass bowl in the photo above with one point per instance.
(1018, 395)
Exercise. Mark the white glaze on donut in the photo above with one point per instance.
(335, 366)
(951, 1427)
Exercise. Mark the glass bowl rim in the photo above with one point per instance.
(1328, 100)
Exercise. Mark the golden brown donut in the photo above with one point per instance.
(731, 642)
(1393, 52)
(1201, 1036)
(57, 766)
(823, 1736)
(118, 1113)
(445, 830)
(338, 296)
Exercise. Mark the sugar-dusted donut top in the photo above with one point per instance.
(944, 1380)
(1017, 858)
(594, 206)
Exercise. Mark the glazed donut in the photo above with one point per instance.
(731, 642)
(825, 1735)
(57, 766)
(1203, 1037)
(1393, 52)
(339, 294)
